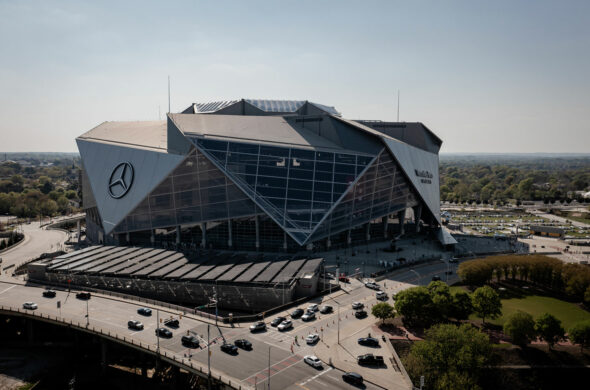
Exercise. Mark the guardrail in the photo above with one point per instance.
(171, 358)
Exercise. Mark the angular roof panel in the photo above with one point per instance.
(276, 105)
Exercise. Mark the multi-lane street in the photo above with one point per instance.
(251, 368)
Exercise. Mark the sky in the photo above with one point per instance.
(494, 77)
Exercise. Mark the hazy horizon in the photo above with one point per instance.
(495, 77)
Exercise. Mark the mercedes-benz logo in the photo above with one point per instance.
(121, 180)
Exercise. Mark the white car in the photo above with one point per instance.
(313, 308)
(312, 338)
(308, 316)
(357, 305)
(381, 295)
(313, 361)
(285, 325)
(30, 305)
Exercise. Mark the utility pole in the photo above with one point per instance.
(338, 323)
(208, 359)
(269, 367)
(87, 315)
(157, 334)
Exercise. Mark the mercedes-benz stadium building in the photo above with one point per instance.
(258, 175)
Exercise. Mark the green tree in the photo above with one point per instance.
(486, 303)
(383, 311)
(549, 329)
(441, 299)
(579, 333)
(462, 306)
(48, 207)
(450, 357)
(520, 326)
(415, 305)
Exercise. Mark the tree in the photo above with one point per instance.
(415, 304)
(549, 329)
(462, 306)
(450, 357)
(579, 333)
(441, 299)
(383, 311)
(486, 303)
(520, 326)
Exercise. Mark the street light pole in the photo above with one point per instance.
(157, 334)
(269, 367)
(208, 359)
(338, 323)
(87, 315)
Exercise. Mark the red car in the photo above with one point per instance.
(343, 279)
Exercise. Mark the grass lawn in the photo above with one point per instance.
(536, 305)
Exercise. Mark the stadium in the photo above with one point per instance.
(258, 175)
(246, 202)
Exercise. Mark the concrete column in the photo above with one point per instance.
(328, 243)
(153, 237)
(79, 231)
(230, 242)
(368, 231)
(417, 216)
(348, 237)
(385, 221)
(103, 354)
(204, 235)
(257, 224)
(284, 240)
(177, 234)
(30, 334)
(401, 216)
(127, 238)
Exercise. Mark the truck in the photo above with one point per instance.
(370, 360)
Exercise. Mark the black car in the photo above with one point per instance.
(134, 324)
(173, 323)
(163, 332)
(297, 313)
(229, 348)
(49, 294)
(435, 278)
(326, 309)
(190, 341)
(449, 272)
(369, 341)
(83, 295)
(360, 314)
(243, 343)
(370, 360)
(144, 311)
(277, 321)
(352, 378)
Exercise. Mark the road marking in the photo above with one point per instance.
(292, 360)
(316, 376)
(3, 291)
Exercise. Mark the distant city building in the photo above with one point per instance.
(272, 175)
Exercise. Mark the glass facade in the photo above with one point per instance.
(296, 187)
(196, 191)
(381, 190)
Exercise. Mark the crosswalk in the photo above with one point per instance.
(279, 336)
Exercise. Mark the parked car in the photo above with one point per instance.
(144, 311)
(453, 260)
(313, 307)
(312, 338)
(343, 279)
(287, 324)
(369, 341)
(30, 305)
(243, 343)
(163, 332)
(83, 295)
(370, 360)
(449, 272)
(352, 378)
(435, 278)
(326, 309)
(357, 305)
(260, 325)
(49, 294)
(382, 296)
(360, 314)
(297, 313)
(172, 322)
(277, 321)
(308, 316)
(190, 341)
(134, 324)
(313, 361)
(229, 348)
(372, 285)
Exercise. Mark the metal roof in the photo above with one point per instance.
(201, 108)
(144, 134)
(276, 105)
